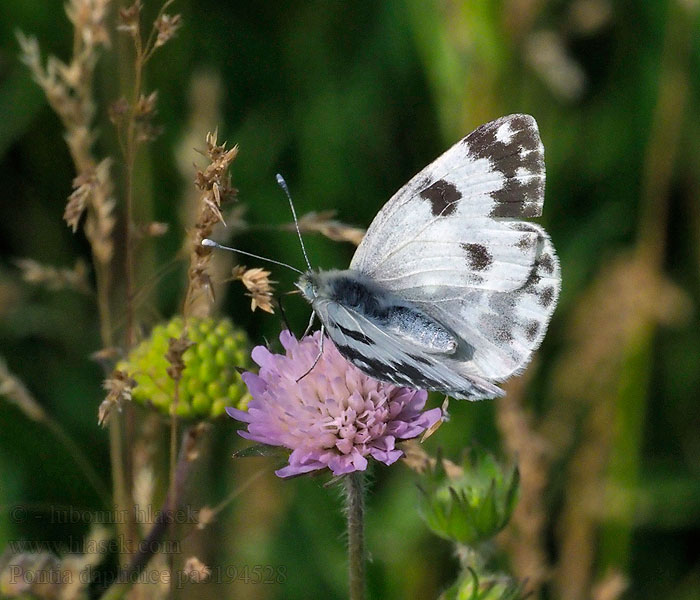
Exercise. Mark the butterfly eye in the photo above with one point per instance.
(308, 288)
(311, 289)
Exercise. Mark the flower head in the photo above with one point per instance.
(335, 416)
(204, 362)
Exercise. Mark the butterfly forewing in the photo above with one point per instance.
(455, 255)
(496, 171)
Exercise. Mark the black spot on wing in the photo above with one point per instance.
(526, 243)
(503, 333)
(547, 263)
(518, 198)
(532, 281)
(527, 156)
(358, 336)
(518, 156)
(478, 257)
(531, 330)
(546, 296)
(443, 197)
(542, 272)
(522, 149)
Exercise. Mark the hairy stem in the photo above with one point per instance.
(355, 510)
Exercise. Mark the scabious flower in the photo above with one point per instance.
(335, 416)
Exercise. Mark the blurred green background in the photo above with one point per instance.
(348, 100)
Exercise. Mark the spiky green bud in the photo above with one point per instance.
(470, 586)
(473, 502)
(210, 380)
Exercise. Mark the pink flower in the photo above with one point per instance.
(335, 417)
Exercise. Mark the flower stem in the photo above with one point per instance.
(355, 509)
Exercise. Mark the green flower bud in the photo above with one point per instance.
(210, 381)
(487, 587)
(219, 406)
(471, 502)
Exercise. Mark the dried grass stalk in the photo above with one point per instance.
(70, 93)
(322, 222)
(176, 348)
(119, 387)
(525, 536)
(214, 183)
(629, 296)
(54, 278)
(12, 388)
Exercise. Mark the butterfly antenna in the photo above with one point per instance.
(212, 244)
(283, 184)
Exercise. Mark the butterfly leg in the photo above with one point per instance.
(311, 324)
(318, 356)
(443, 419)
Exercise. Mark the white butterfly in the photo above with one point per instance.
(449, 290)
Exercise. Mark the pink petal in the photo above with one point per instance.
(288, 341)
(263, 357)
(256, 385)
(239, 415)
(387, 457)
(290, 470)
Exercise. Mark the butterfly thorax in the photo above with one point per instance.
(359, 294)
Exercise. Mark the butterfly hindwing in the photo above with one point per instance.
(392, 358)
(504, 328)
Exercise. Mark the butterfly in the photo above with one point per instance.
(450, 290)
